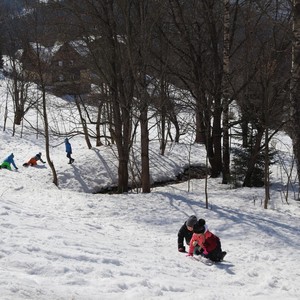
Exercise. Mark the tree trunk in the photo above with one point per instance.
(122, 138)
(45, 116)
(123, 175)
(163, 112)
(83, 123)
(163, 135)
(267, 173)
(245, 132)
(200, 132)
(225, 91)
(216, 158)
(98, 133)
(177, 129)
(145, 150)
(295, 85)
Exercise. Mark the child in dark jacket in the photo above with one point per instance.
(186, 231)
(208, 244)
(33, 160)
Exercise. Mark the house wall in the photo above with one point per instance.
(69, 73)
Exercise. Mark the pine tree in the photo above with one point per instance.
(240, 159)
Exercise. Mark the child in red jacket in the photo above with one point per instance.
(206, 243)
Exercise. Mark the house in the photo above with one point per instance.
(69, 71)
(63, 67)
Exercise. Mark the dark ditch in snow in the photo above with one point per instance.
(191, 172)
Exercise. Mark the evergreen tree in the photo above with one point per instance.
(240, 159)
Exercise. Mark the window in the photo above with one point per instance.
(61, 77)
(60, 63)
(71, 62)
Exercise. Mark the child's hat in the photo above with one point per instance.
(199, 228)
(201, 222)
(191, 221)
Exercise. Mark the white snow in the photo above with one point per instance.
(68, 243)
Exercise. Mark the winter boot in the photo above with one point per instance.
(223, 255)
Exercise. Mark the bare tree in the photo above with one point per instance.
(196, 48)
(14, 37)
(140, 30)
(19, 88)
(36, 21)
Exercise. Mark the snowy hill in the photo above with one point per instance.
(68, 243)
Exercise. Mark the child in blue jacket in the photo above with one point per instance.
(69, 151)
(7, 163)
